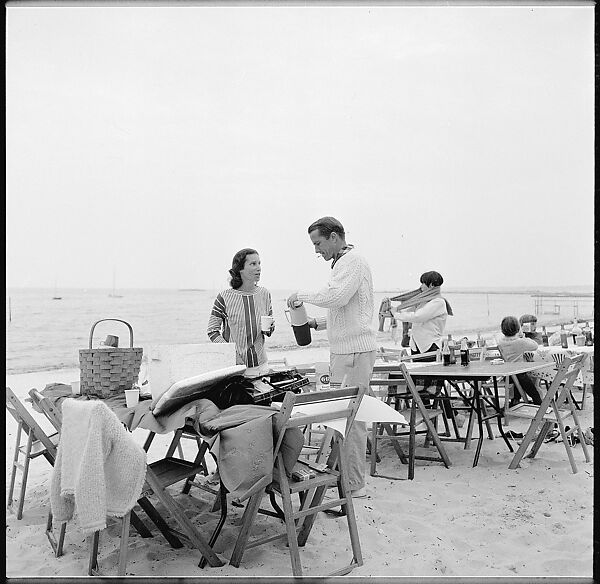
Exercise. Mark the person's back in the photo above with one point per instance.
(511, 347)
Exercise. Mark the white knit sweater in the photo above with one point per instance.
(349, 299)
(99, 470)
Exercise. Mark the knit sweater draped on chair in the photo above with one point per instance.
(100, 469)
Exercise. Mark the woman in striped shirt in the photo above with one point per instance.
(235, 316)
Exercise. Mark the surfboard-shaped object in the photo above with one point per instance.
(191, 388)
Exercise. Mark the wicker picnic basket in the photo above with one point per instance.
(105, 372)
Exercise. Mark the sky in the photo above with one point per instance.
(149, 143)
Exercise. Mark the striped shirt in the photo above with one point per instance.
(235, 318)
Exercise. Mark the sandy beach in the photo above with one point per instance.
(487, 521)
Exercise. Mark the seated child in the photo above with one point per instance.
(528, 323)
(512, 345)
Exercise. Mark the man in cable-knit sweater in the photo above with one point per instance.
(348, 298)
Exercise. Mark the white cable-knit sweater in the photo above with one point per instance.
(348, 298)
(99, 470)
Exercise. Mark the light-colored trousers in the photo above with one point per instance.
(357, 368)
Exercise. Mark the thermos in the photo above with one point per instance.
(299, 321)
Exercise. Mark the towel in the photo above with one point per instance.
(418, 298)
(99, 470)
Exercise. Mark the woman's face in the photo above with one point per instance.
(251, 271)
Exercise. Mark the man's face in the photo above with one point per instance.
(326, 247)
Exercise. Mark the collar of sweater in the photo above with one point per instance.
(348, 247)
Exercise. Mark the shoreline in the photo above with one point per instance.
(320, 347)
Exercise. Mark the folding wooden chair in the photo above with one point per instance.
(53, 414)
(556, 407)
(418, 415)
(299, 410)
(159, 475)
(38, 444)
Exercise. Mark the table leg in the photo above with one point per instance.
(477, 403)
(499, 417)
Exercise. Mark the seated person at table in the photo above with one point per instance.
(512, 345)
(528, 322)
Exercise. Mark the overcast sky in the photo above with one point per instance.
(157, 141)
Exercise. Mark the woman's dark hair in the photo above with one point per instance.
(509, 326)
(432, 278)
(237, 265)
(326, 226)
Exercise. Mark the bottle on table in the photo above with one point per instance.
(464, 352)
(575, 329)
(544, 337)
(563, 337)
(445, 353)
(479, 340)
(452, 349)
(587, 333)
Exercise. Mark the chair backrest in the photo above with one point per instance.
(391, 355)
(303, 409)
(410, 383)
(19, 412)
(51, 411)
(561, 385)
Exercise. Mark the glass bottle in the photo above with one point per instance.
(544, 337)
(464, 353)
(575, 329)
(587, 333)
(563, 337)
(445, 353)
(452, 349)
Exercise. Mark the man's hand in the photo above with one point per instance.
(293, 300)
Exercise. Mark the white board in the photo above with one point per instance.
(168, 364)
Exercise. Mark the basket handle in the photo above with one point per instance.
(118, 320)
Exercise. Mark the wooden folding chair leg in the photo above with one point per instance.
(15, 465)
(124, 544)
(540, 439)
(25, 475)
(563, 433)
(247, 521)
(290, 524)
(57, 544)
(93, 563)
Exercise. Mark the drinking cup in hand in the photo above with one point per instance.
(265, 323)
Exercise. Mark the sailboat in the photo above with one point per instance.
(114, 294)
(56, 296)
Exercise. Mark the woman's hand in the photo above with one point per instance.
(270, 331)
(312, 323)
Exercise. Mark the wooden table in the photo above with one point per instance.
(474, 374)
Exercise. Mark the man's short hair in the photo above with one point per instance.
(509, 326)
(326, 226)
(527, 318)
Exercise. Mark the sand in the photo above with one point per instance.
(487, 521)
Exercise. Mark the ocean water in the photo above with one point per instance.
(43, 333)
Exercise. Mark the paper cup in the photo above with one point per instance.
(266, 322)
(75, 388)
(580, 340)
(132, 397)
